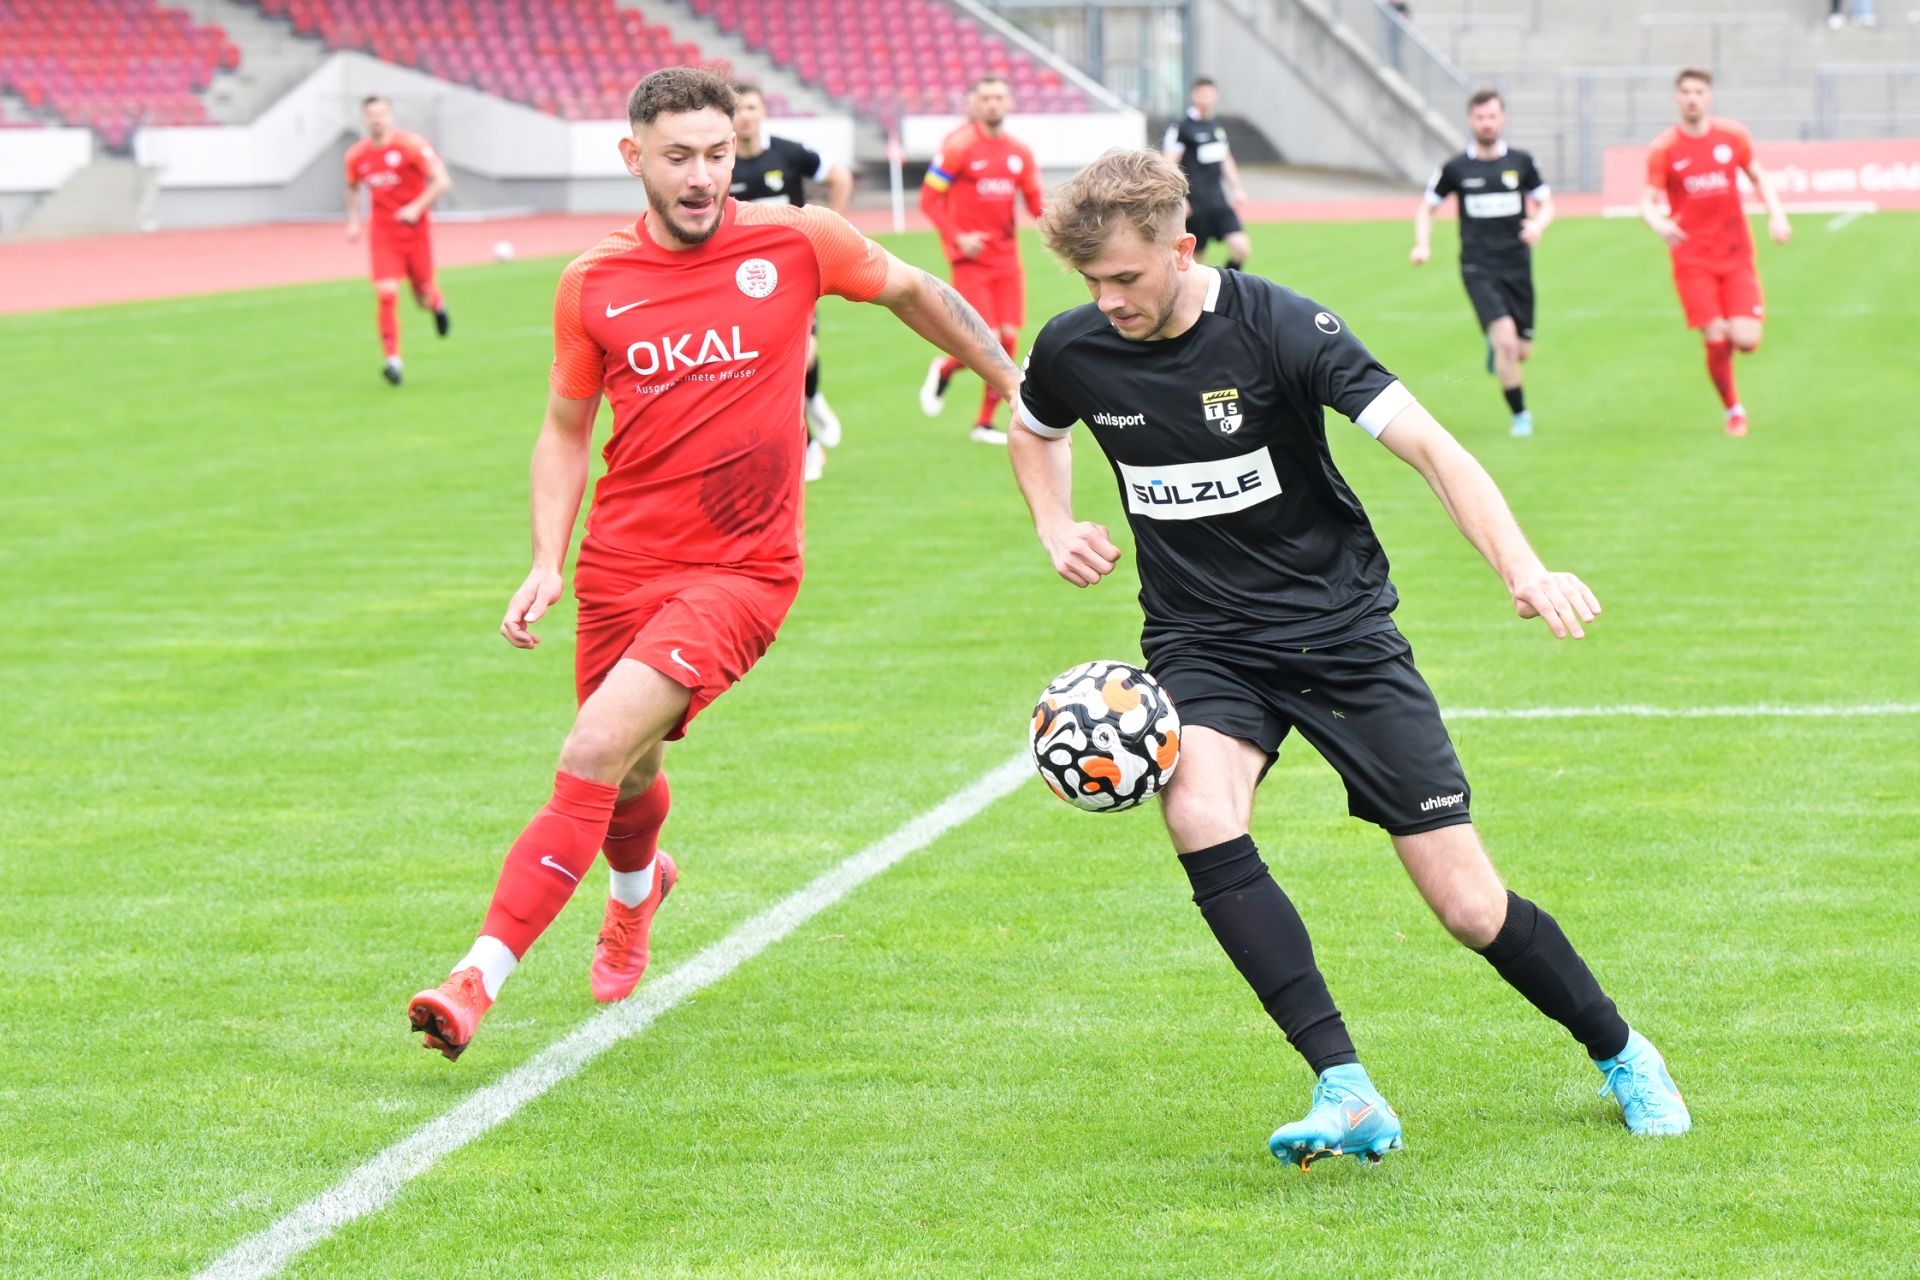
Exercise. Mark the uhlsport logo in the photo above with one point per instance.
(1326, 322)
(1442, 802)
(756, 277)
(1196, 490)
(1222, 410)
(1119, 419)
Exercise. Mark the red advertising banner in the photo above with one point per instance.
(1814, 177)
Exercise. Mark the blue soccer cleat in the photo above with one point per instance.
(1349, 1118)
(1649, 1101)
(1523, 423)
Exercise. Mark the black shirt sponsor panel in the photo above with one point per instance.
(1217, 439)
(777, 175)
(1493, 203)
(1203, 148)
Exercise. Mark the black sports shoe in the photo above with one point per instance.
(441, 322)
(391, 372)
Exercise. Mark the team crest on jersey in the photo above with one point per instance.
(756, 277)
(393, 159)
(775, 180)
(1510, 178)
(1015, 164)
(1722, 153)
(1222, 410)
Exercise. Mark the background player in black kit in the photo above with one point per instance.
(1269, 609)
(776, 170)
(1505, 207)
(1198, 144)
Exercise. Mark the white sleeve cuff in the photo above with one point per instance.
(1385, 408)
(826, 168)
(1541, 192)
(1434, 199)
(1031, 421)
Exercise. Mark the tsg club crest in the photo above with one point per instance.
(1222, 410)
(1510, 178)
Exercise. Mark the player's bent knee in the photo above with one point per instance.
(598, 751)
(1473, 922)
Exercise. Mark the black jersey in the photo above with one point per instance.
(775, 176)
(1492, 202)
(1203, 146)
(1218, 440)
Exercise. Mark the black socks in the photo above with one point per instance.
(1262, 934)
(1536, 959)
(813, 379)
(1516, 398)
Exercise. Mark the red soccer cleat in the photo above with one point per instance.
(1737, 422)
(449, 1014)
(620, 956)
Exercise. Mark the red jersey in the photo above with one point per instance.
(1701, 178)
(972, 185)
(395, 171)
(702, 353)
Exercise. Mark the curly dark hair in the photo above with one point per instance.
(674, 90)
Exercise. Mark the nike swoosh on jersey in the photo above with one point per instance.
(613, 311)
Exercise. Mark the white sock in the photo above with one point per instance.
(1738, 408)
(630, 888)
(494, 961)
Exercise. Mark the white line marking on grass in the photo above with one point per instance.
(1760, 710)
(1845, 219)
(373, 1185)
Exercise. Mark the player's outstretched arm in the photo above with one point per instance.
(1422, 232)
(1666, 228)
(1081, 551)
(1536, 226)
(353, 212)
(1777, 225)
(559, 481)
(1474, 502)
(839, 188)
(933, 309)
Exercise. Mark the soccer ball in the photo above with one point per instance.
(503, 250)
(1105, 736)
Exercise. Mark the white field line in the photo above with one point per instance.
(1751, 711)
(1845, 219)
(374, 1184)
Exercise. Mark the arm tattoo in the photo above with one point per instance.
(963, 314)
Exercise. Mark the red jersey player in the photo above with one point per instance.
(405, 177)
(969, 194)
(693, 322)
(1693, 167)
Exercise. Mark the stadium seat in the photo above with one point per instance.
(110, 65)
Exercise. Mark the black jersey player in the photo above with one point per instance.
(1197, 142)
(1269, 610)
(768, 169)
(1505, 207)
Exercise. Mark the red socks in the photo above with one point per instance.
(950, 366)
(390, 324)
(431, 299)
(991, 400)
(633, 837)
(546, 863)
(1720, 369)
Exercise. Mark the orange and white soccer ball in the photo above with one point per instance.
(1105, 736)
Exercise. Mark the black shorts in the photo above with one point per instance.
(1361, 704)
(1210, 222)
(1501, 291)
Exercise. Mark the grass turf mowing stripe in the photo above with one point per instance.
(1759, 710)
(373, 1185)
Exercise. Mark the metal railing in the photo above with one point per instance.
(1398, 44)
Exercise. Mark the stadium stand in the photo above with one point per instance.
(110, 65)
(888, 57)
(576, 59)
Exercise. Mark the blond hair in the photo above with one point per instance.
(1143, 189)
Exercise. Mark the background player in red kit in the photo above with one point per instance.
(969, 195)
(1693, 167)
(405, 177)
(694, 323)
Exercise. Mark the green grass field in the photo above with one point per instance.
(262, 750)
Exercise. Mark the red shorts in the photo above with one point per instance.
(701, 626)
(998, 291)
(404, 253)
(1712, 291)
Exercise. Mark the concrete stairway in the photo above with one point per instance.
(272, 59)
(111, 194)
